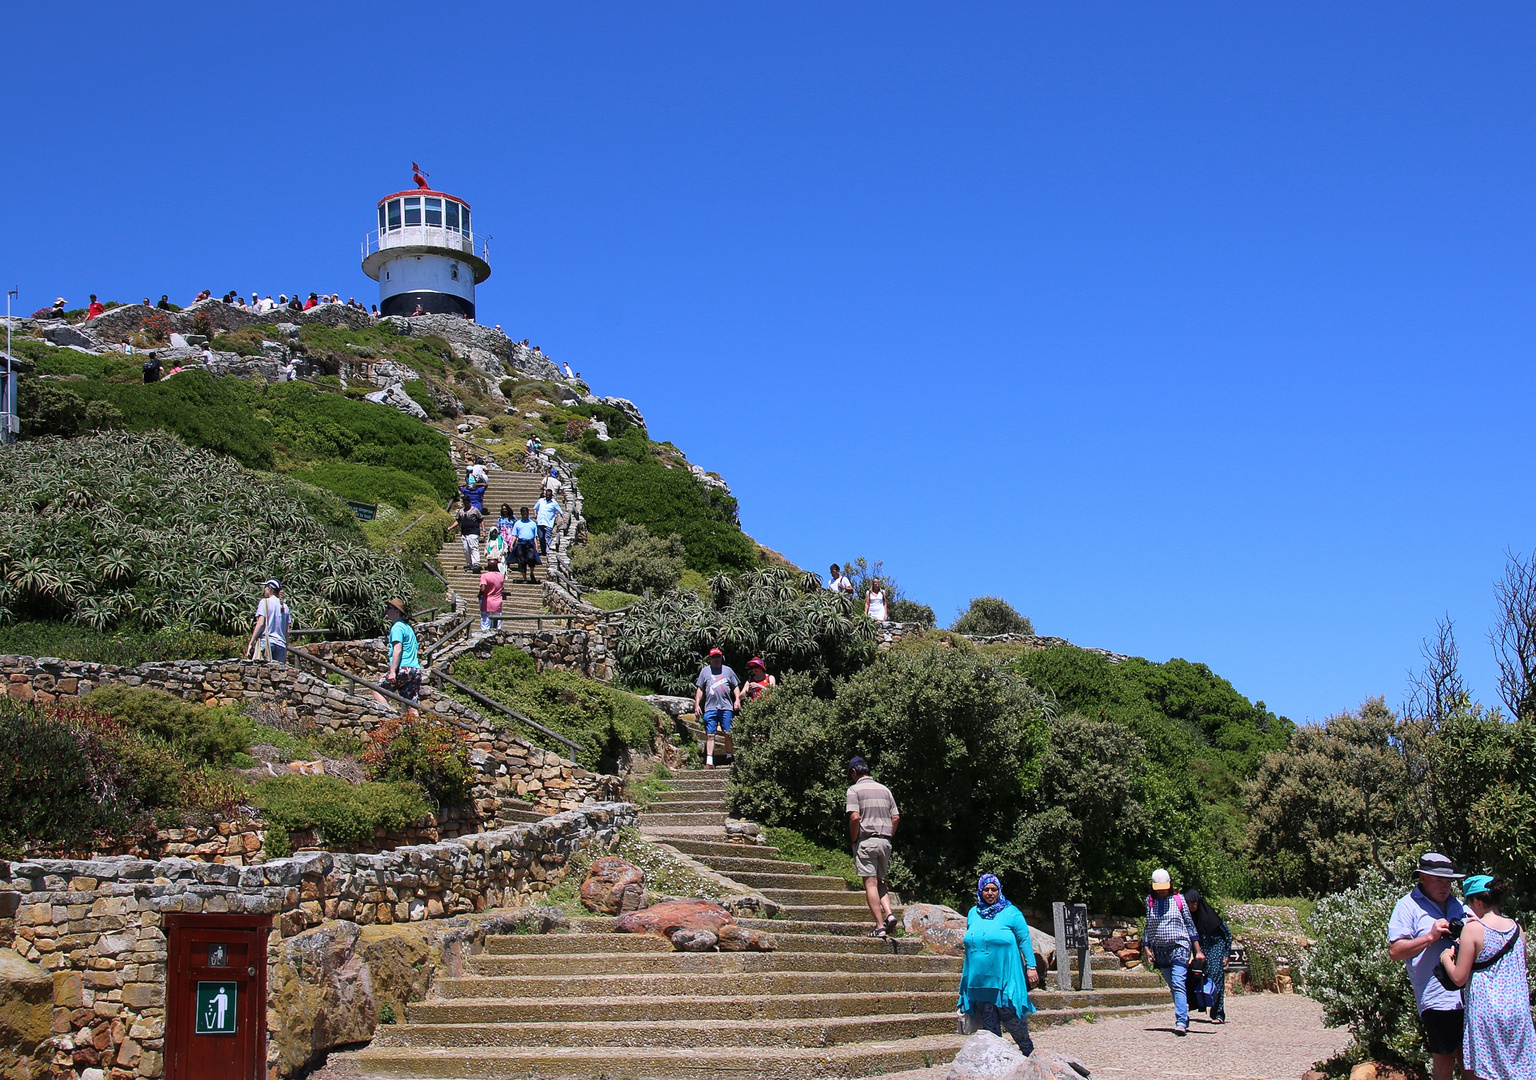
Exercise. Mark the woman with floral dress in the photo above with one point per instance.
(1216, 939)
(1489, 963)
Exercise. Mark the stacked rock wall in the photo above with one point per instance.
(96, 927)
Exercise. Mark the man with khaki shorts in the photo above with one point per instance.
(872, 820)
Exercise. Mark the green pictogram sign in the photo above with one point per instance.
(215, 1008)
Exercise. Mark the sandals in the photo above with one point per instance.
(890, 923)
(878, 933)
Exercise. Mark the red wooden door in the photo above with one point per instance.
(216, 997)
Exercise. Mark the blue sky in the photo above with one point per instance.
(1197, 331)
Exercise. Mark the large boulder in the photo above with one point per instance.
(65, 334)
(945, 940)
(686, 940)
(26, 1015)
(630, 410)
(613, 886)
(395, 397)
(986, 1056)
(736, 938)
(667, 918)
(917, 919)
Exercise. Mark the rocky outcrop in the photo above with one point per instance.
(328, 986)
(64, 334)
(668, 918)
(613, 886)
(395, 397)
(26, 1015)
(121, 323)
(986, 1056)
(630, 410)
(486, 348)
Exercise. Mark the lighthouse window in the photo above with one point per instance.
(394, 214)
(435, 212)
(381, 217)
(413, 210)
(453, 214)
(455, 268)
(466, 219)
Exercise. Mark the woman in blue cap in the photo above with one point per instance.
(1489, 962)
(999, 966)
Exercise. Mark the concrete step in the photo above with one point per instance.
(721, 983)
(624, 1009)
(678, 1032)
(830, 913)
(660, 1063)
(733, 865)
(788, 924)
(839, 897)
(698, 847)
(817, 883)
(665, 805)
(716, 963)
(663, 819)
(568, 944)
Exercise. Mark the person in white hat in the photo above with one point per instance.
(1169, 939)
(1423, 925)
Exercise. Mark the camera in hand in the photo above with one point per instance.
(1457, 926)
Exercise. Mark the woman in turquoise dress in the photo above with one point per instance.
(1499, 1041)
(999, 966)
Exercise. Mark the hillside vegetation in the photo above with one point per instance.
(125, 529)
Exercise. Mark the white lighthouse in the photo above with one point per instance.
(423, 253)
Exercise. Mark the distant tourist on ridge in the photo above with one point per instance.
(999, 969)
(165, 302)
(57, 311)
(872, 821)
(714, 703)
(1169, 939)
(95, 309)
(152, 368)
(838, 581)
(874, 602)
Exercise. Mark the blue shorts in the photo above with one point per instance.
(717, 717)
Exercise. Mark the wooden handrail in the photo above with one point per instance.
(433, 571)
(356, 680)
(449, 634)
(482, 699)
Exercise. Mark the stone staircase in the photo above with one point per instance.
(516, 489)
(830, 1002)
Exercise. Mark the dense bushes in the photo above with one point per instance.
(344, 814)
(990, 615)
(138, 530)
(603, 721)
(629, 559)
(81, 775)
(955, 737)
(780, 615)
(423, 750)
(668, 501)
(125, 646)
(368, 483)
(284, 425)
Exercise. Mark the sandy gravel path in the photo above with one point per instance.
(1266, 1037)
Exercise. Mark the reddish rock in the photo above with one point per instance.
(734, 938)
(666, 919)
(613, 886)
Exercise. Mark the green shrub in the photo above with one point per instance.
(668, 501)
(197, 734)
(126, 646)
(1349, 972)
(953, 735)
(796, 847)
(423, 750)
(344, 814)
(50, 409)
(989, 615)
(782, 616)
(368, 483)
(910, 611)
(603, 721)
(629, 559)
(610, 599)
(246, 341)
(87, 522)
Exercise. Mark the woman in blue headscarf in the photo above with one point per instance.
(999, 966)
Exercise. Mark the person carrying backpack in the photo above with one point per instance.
(269, 635)
(1170, 937)
(152, 369)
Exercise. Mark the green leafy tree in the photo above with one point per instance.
(666, 501)
(778, 614)
(955, 737)
(989, 615)
(629, 559)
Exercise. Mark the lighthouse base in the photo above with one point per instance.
(430, 303)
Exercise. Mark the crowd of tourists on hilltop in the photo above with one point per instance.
(257, 303)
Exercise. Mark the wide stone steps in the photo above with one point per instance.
(734, 865)
(679, 1032)
(665, 805)
(568, 944)
(676, 963)
(722, 983)
(778, 882)
(700, 848)
(819, 898)
(632, 1008)
(662, 1063)
(516, 489)
(653, 820)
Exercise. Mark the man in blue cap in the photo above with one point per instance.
(1419, 931)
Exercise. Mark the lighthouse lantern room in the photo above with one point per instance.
(423, 253)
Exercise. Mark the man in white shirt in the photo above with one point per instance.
(546, 515)
(838, 581)
(269, 636)
(1423, 925)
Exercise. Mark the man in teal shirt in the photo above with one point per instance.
(404, 676)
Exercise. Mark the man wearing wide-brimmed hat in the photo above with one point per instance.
(1420, 930)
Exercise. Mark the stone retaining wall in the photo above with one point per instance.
(95, 926)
